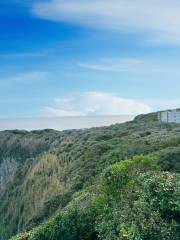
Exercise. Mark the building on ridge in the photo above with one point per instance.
(169, 116)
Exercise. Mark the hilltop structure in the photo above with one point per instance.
(169, 116)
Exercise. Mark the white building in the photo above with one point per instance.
(170, 116)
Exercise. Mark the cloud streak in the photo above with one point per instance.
(24, 78)
(95, 104)
(159, 20)
(121, 65)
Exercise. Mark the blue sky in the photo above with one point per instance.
(81, 57)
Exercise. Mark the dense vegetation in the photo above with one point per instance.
(117, 182)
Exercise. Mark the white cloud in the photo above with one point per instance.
(121, 65)
(63, 113)
(158, 19)
(97, 103)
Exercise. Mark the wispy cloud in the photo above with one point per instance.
(159, 20)
(24, 78)
(121, 65)
(96, 103)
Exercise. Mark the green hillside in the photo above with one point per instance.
(117, 182)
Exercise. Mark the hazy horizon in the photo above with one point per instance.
(61, 123)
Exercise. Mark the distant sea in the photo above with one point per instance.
(62, 123)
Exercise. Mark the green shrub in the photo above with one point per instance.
(72, 224)
(161, 192)
(138, 202)
(120, 177)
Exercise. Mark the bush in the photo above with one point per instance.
(120, 177)
(138, 203)
(161, 192)
(169, 159)
(72, 224)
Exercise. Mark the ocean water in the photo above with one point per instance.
(62, 123)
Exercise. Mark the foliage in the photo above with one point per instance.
(49, 171)
(161, 192)
(70, 225)
(169, 159)
(148, 211)
(121, 177)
